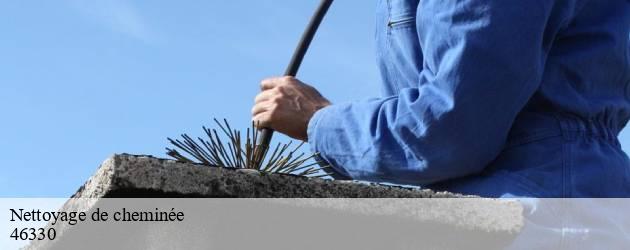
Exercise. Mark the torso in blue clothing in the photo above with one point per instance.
(493, 98)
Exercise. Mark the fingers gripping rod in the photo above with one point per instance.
(266, 133)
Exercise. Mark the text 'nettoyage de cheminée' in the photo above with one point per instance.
(72, 218)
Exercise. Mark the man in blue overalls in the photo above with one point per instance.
(496, 98)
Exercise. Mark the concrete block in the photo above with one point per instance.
(415, 223)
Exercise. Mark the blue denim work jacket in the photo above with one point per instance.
(498, 98)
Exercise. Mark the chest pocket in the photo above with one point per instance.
(403, 59)
(402, 13)
(402, 21)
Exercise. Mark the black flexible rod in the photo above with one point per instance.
(266, 134)
(307, 38)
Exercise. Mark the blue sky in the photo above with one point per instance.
(82, 80)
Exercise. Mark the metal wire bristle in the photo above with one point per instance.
(234, 151)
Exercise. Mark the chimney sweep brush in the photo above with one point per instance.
(252, 154)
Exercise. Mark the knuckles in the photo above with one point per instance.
(288, 79)
(264, 82)
(280, 92)
(277, 91)
(276, 82)
(276, 100)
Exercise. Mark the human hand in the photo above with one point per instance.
(287, 105)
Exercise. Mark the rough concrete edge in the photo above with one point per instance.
(489, 214)
(151, 173)
(101, 181)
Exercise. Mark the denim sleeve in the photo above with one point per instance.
(483, 60)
